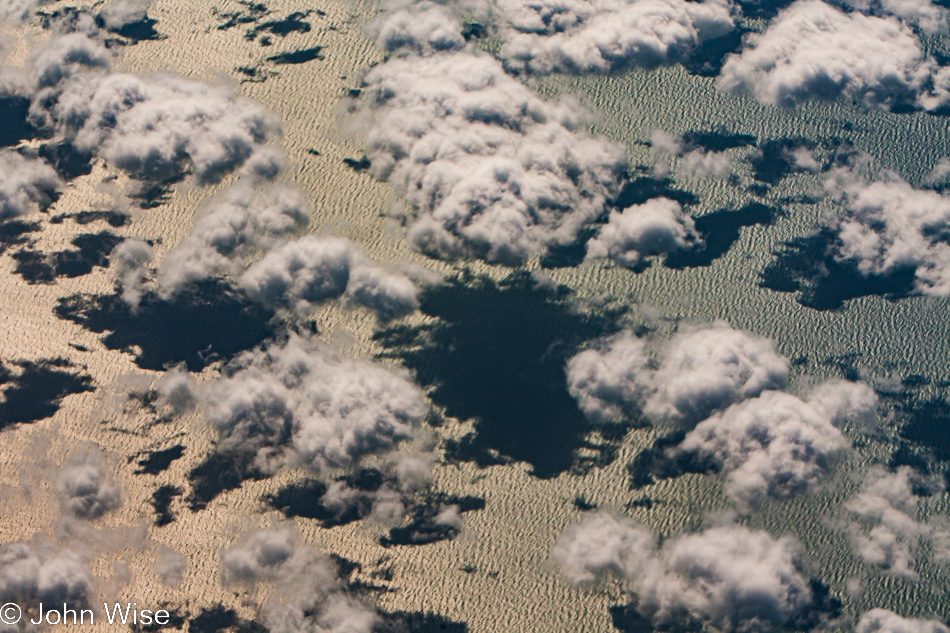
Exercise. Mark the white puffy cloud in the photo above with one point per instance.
(602, 35)
(774, 445)
(416, 27)
(705, 369)
(699, 163)
(655, 227)
(604, 543)
(29, 575)
(309, 596)
(490, 170)
(238, 223)
(888, 227)
(844, 401)
(608, 380)
(699, 371)
(26, 184)
(119, 13)
(813, 50)
(297, 401)
(924, 14)
(884, 621)
(883, 522)
(157, 128)
(312, 269)
(730, 577)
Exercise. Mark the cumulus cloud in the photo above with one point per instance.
(731, 577)
(699, 371)
(923, 14)
(26, 184)
(416, 27)
(608, 381)
(297, 398)
(239, 222)
(158, 128)
(491, 171)
(813, 50)
(30, 575)
(604, 543)
(604, 35)
(710, 368)
(304, 272)
(309, 595)
(774, 445)
(883, 522)
(843, 401)
(889, 227)
(884, 621)
(653, 228)
(85, 490)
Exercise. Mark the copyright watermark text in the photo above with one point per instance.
(116, 613)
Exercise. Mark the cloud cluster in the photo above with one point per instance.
(159, 128)
(701, 370)
(603, 35)
(491, 171)
(30, 575)
(883, 523)
(730, 577)
(656, 227)
(26, 184)
(775, 445)
(297, 401)
(889, 227)
(813, 50)
(309, 595)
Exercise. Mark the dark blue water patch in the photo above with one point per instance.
(926, 424)
(773, 161)
(639, 190)
(301, 56)
(161, 503)
(14, 112)
(156, 462)
(140, 30)
(358, 164)
(35, 390)
(68, 161)
(16, 233)
(205, 322)
(293, 23)
(218, 473)
(583, 504)
(706, 60)
(662, 460)
(220, 619)
(251, 13)
(496, 355)
(720, 230)
(92, 250)
(423, 528)
(716, 140)
(417, 622)
(807, 265)
(627, 619)
(112, 218)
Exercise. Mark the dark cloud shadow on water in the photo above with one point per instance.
(807, 265)
(35, 389)
(720, 230)
(204, 323)
(14, 112)
(16, 232)
(496, 355)
(92, 250)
